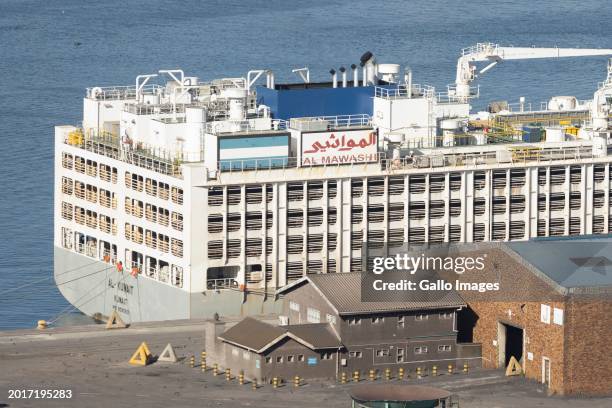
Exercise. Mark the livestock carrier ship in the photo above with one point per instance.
(180, 198)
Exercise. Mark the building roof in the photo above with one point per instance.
(342, 291)
(570, 262)
(258, 336)
(396, 393)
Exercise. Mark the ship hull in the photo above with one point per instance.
(96, 289)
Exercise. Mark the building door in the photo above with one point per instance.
(510, 343)
(546, 371)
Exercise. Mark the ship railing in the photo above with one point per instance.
(480, 47)
(223, 283)
(154, 109)
(120, 92)
(318, 123)
(108, 257)
(79, 247)
(418, 91)
(232, 166)
(239, 126)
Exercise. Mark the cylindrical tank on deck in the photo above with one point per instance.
(555, 134)
(561, 103)
(480, 138)
(151, 99)
(388, 72)
(237, 102)
(195, 115)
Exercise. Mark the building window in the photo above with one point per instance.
(291, 359)
(330, 319)
(313, 315)
(279, 359)
(300, 357)
(446, 315)
(382, 353)
(444, 347)
(378, 320)
(420, 350)
(401, 321)
(234, 351)
(421, 317)
(353, 321)
(355, 354)
(326, 356)
(400, 355)
(558, 316)
(246, 355)
(294, 306)
(545, 314)
(268, 360)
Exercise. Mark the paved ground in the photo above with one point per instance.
(93, 364)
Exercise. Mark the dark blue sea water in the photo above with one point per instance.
(51, 50)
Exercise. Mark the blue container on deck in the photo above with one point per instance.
(532, 134)
(288, 101)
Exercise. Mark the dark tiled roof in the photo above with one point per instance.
(319, 335)
(343, 291)
(252, 333)
(256, 335)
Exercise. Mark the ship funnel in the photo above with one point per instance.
(355, 75)
(343, 71)
(334, 77)
(270, 80)
(408, 80)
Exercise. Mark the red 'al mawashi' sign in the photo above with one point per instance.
(339, 147)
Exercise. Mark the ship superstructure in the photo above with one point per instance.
(179, 198)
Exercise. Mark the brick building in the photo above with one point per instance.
(554, 315)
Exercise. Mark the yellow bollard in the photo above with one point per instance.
(42, 324)
(203, 365)
(241, 378)
(465, 368)
(296, 381)
(450, 368)
(372, 374)
(203, 355)
(356, 376)
(418, 372)
(400, 373)
(274, 382)
(228, 375)
(215, 369)
(192, 362)
(343, 378)
(254, 384)
(387, 374)
(434, 371)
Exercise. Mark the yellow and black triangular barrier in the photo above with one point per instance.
(168, 354)
(514, 368)
(142, 356)
(115, 321)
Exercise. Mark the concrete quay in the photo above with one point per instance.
(93, 363)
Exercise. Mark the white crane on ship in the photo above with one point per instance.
(494, 54)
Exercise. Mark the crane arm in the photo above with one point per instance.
(493, 53)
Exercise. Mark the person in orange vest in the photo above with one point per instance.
(119, 267)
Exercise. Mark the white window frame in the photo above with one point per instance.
(545, 313)
(421, 317)
(330, 318)
(421, 350)
(558, 316)
(294, 306)
(313, 315)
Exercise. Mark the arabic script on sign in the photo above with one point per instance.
(324, 148)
